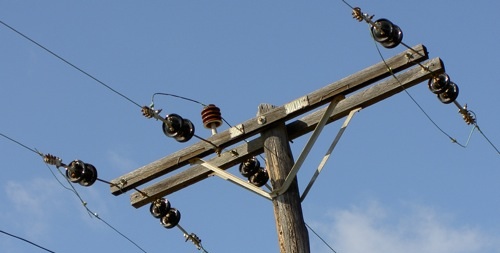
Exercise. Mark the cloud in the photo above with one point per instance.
(375, 229)
(31, 204)
(121, 162)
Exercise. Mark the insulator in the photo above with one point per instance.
(259, 178)
(52, 160)
(439, 84)
(449, 95)
(159, 208)
(174, 126)
(186, 132)
(388, 34)
(171, 219)
(249, 167)
(83, 173)
(211, 116)
(180, 129)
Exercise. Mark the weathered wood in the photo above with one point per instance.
(290, 226)
(295, 129)
(251, 127)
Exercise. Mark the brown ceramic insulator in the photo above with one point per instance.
(211, 116)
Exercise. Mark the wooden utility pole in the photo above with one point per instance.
(292, 232)
(344, 96)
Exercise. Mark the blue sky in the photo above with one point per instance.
(394, 183)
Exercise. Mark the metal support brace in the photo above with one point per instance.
(307, 148)
(329, 152)
(232, 178)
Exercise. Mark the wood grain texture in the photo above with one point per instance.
(295, 129)
(252, 127)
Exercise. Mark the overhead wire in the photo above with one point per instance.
(27, 241)
(453, 140)
(74, 191)
(69, 63)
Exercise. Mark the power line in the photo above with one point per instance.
(453, 140)
(26, 240)
(22, 145)
(69, 63)
(73, 189)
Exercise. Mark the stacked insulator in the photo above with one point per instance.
(180, 129)
(77, 171)
(444, 88)
(169, 216)
(211, 117)
(386, 33)
(256, 175)
(83, 173)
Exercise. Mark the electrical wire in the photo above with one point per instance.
(26, 240)
(94, 214)
(453, 140)
(69, 63)
(22, 145)
(321, 238)
(73, 189)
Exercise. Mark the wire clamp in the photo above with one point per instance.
(467, 115)
(149, 112)
(53, 160)
(360, 16)
(193, 238)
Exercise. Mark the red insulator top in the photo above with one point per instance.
(211, 116)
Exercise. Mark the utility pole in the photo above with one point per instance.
(360, 90)
(292, 231)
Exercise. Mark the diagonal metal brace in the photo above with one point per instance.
(329, 152)
(232, 178)
(310, 143)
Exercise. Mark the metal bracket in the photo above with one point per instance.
(232, 178)
(329, 152)
(308, 146)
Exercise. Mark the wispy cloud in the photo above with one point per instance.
(31, 204)
(376, 229)
(121, 162)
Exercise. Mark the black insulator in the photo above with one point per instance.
(439, 84)
(159, 208)
(83, 173)
(249, 167)
(211, 116)
(180, 129)
(171, 219)
(388, 34)
(259, 178)
(186, 132)
(174, 126)
(449, 95)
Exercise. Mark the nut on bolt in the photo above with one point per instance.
(261, 120)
